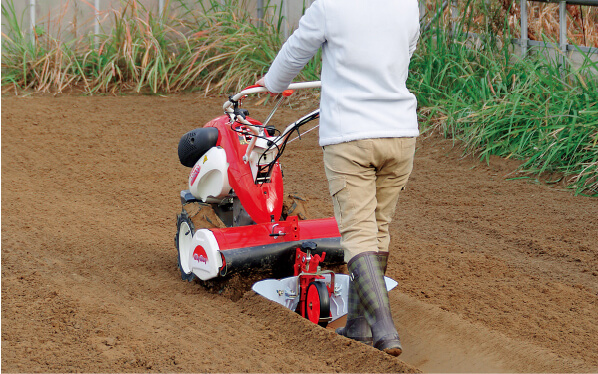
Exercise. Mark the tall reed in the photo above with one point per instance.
(209, 45)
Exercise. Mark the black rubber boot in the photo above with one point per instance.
(367, 273)
(357, 327)
(382, 261)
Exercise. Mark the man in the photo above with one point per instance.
(368, 125)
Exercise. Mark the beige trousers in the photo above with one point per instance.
(365, 178)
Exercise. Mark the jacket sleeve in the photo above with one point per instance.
(298, 49)
(414, 39)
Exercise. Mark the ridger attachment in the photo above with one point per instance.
(318, 295)
(236, 174)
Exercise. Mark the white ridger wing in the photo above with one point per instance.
(286, 292)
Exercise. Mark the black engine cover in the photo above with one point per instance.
(195, 143)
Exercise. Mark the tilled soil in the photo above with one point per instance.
(494, 275)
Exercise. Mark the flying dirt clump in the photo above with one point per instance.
(203, 216)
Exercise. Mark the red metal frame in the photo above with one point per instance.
(263, 202)
(290, 230)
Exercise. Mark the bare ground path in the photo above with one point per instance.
(493, 275)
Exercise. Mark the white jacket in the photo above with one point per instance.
(366, 48)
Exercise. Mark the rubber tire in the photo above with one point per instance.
(183, 218)
(317, 292)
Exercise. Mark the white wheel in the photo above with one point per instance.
(185, 231)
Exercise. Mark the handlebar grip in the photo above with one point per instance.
(252, 86)
(285, 93)
(259, 89)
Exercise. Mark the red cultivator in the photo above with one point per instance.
(236, 172)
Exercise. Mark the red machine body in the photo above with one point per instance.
(235, 171)
(263, 202)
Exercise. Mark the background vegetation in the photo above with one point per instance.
(537, 109)
(540, 109)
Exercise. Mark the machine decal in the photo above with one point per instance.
(194, 174)
(199, 254)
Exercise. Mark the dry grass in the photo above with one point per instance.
(543, 20)
(213, 47)
(582, 23)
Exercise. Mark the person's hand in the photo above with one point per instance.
(262, 82)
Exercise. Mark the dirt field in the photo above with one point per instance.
(494, 275)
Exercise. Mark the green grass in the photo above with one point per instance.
(535, 110)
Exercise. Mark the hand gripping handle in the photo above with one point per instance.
(259, 89)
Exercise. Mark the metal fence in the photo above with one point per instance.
(576, 52)
(563, 45)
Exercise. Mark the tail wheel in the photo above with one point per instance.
(182, 241)
(317, 303)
